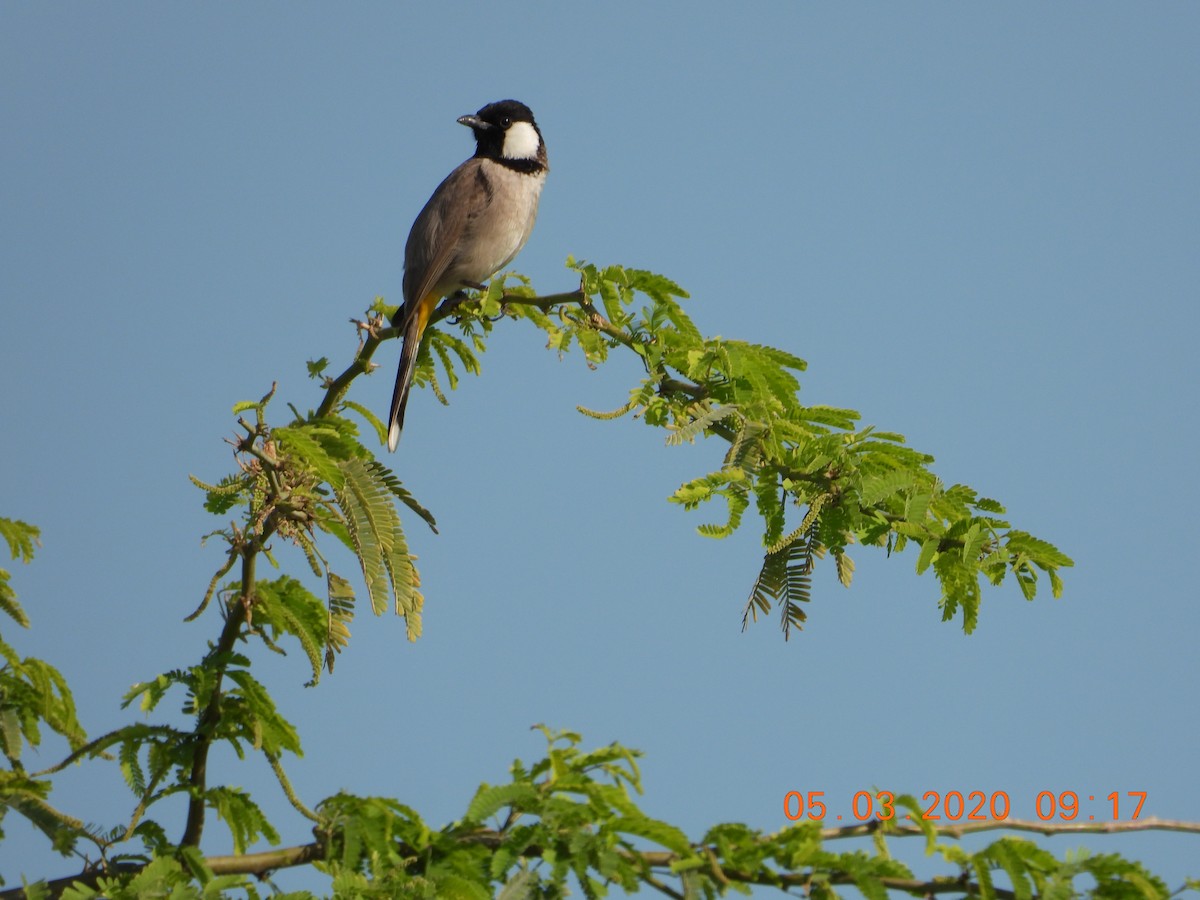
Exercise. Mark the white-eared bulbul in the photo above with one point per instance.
(475, 223)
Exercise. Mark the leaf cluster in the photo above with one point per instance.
(297, 481)
(818, 481)
(571, 819)
(33, 695)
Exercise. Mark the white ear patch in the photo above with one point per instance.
(521, 141)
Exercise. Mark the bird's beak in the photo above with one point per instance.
(474, 122)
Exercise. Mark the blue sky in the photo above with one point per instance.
(978, 223)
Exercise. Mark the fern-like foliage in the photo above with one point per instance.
(786, 579)
(818, 482)
(314, 475)
(21, 538)
(33, 695)
(782, 455)
(377, 538)
(572, 817)
(298, 481)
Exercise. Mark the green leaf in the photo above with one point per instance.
(341, 613)
(388, 479)
(770, 505)
(699, 424)
(659, 832)
(655, 286)
(1044, 554)
(21, 538)
(8, 601)
(917, 506)
(245, 820)
(522, 886)
(447, 365)
(303, 442)
(1056, 583)
(785, 578)
(379, 541)
(223, 496)
(878, 487)
(490, 800)
(973, 543)
(455, 887)
(287, 607)
(131, 768)
(373, 420)
(845, 567)
(929, 551)
(251, 708)
(470, 362)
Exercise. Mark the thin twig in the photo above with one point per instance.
(92, 747)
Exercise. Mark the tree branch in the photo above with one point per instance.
(336, 389)
(377, 333)
(259, 864)
(210, 717)
(264, 863)
(545, 303)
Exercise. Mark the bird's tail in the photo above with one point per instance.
(414, 328)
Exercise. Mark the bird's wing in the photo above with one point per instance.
(436, 233)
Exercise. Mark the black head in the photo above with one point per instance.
(505, 131)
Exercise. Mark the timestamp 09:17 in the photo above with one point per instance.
(974, 806)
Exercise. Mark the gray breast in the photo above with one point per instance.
(495, 234)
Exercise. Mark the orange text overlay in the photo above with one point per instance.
(970, 806)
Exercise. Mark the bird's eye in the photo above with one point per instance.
(505, 122)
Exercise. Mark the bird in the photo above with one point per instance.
(474, 225)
